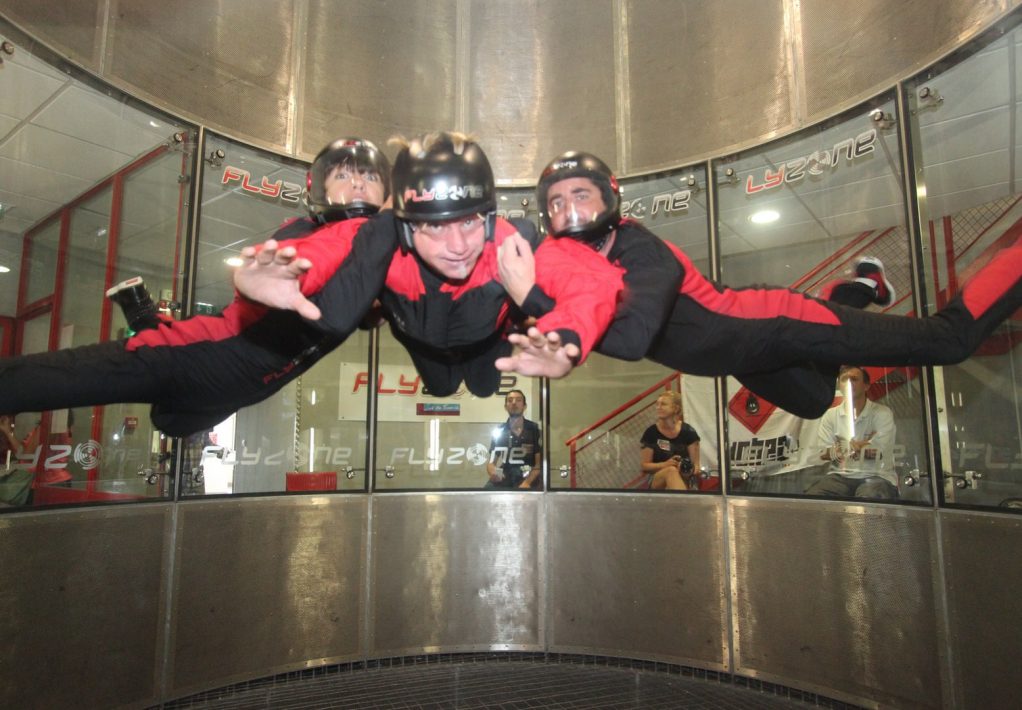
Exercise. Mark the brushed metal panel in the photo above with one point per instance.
(455, 572)
(851, 52)
(981, 553)
(82, 598)
(703, 77)
(373, 69)
(265, 585)
(638, 576)
(226, 62)
(72, 28)
(837, 598)
(541, 81)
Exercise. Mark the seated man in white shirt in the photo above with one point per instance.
(858, 441)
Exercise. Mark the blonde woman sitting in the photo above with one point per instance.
(670, 447)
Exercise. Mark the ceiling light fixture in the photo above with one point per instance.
(4, 269)
(234, 261)
(764, 216)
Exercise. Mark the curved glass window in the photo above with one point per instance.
(602, 412)
(91, 190)
(967, 119)
(802, 213)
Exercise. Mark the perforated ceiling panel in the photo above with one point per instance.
(541, 81)
(378, 68)
(72, 28)
(227, 62)
(703, 77)
(854, 52)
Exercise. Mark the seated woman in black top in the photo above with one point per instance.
(670, 448)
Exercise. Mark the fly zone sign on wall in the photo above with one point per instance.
(403, 397)
(816, 163)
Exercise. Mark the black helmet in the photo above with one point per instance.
(443, 182)
(361, 155)
(577, 164)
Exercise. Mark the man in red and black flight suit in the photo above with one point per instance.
(197, 371)
(784, 346)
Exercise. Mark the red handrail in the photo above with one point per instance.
(661, 384)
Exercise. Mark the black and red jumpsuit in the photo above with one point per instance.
(198, 371)
(454, 331)
(783, 345)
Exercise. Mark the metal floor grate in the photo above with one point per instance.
(511, 682)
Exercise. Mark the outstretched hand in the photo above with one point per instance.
(517, 267)
(271, 276)
(539, 355)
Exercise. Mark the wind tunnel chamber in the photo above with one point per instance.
(344, 521)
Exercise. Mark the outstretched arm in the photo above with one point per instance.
(540, 355)
(271, 275)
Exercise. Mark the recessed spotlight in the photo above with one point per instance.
(234, 261)
(4, 269)
(154, 124)
(764, 216)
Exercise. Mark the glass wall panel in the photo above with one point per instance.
(68, 146)
(310, 435)
(40, 269)
(427, 442)
(600, 413)
(967, 120)
(799, 213)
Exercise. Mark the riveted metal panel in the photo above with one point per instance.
(71, 28)
(541, 80)
(703, 77)
(852, 51)
(226, 63)
(378, 68)
(837, 598)
(83, 589)
(639, 576)
(265, 586)
(981, 553)
(455, 572)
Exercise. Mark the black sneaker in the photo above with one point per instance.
(134, 299)
(869, 270)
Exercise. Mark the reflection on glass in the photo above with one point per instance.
(63, 207)
(804, 213)
(967, 120)
(600, 412)
(428, 442)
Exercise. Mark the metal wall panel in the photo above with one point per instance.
(227, 64)
(703, 77)
(981, 553)
(265, 585)
(645, 84)
(71, 28)
(373, 69)
(540, 81)
(455, 572)
(638, 576)
(853, 51)
(82, 597)
(837, 598)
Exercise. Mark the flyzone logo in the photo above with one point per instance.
(815, 163)
(286, 191)
(445, 192)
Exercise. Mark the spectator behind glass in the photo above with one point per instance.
(858, 441)
(515, 448)
(9, 444)
(670, 447)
